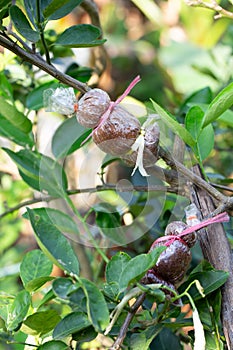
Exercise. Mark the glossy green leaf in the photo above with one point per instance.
(35, 264)
(68, 137)
(222, 102)
(210, 280)
(142, 340)
(18, 310)
(60, 220)
(97, 309)
(70, 324)
(5, 87)
(57, 9)
(193, 121)
(205, 142)
(37, 283)
(22, 25)
(31, 9)
(137, 267)
(167, 340)
(15, 117)
(10, 131)
(34, 99)
(54, 244)
(41, 323)
(81, 35)
(61, 287)
(201, 96)
(46, 298)
(40, 172)
(174, 125)
(227, 118)
(85, 335)
(115, 267)
(54, 345)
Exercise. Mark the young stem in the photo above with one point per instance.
(79, 216)
(41, 29)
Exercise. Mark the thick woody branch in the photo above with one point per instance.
(39, 62)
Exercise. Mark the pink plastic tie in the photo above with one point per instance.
(113, 104)
(223, 217)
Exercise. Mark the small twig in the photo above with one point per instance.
(225, 202)
(99, 52)
(90, 190)
(41, 29)
(212, 5)
(17, 37)
(124, 328)
(39, 62)
(221, 187)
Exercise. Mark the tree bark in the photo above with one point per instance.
(217, 251)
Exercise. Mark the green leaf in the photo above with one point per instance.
(37, 283)
(35, 264)
(210, 280)
(6, 88)
(34, 99)
(205, 142)
(109, 220)
(15, 117)
(115, 267)
(174, 125)
(57, 9)
(70, 324)
(96, 305)
(40, 172)
(219, 105)
(54, 244)
(60, 220)
(167, 340)
(193, 121)
(22, 25)
(81, 35)
(137, 267)
(85, 335)
(18, 310)
(68, 137)
(227, 118)
(201, 96)
(61, 287)
(142, 340)
(31, 7)
(41, 323)
(54, 345)
(10, 131)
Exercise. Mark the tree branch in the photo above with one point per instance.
(156, 188)
(211, 5)
(124, 328)
(39, 62)
(217, 251)
(225, 202)
(99, 52)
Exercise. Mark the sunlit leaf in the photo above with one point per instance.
(176, 127)
(22, 25)
(81, 35)
(35, 264)
(53, 243)
(219, 105)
